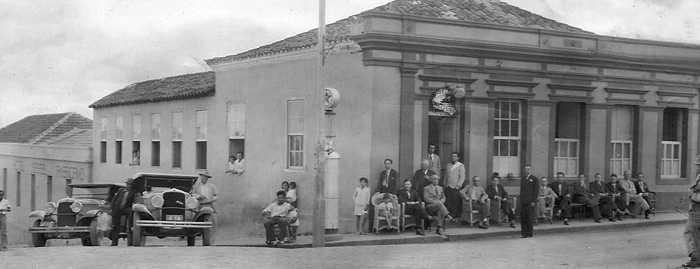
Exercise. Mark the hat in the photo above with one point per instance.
(129, 180)
(204, 173)
(697, 160)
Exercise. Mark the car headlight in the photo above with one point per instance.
(76, 207)
(157, 201)
(191, 203)
(50, 207)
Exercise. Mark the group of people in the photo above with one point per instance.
(283, 213)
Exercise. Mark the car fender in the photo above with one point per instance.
(139, 208)
(204, 211)
(38, 214)
(92, 213)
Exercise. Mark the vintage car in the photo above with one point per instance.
(165, 208)
(74, 216)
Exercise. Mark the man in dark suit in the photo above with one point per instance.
(497, 193)
(607, 204)
(121, 206)
(643, 189)
(387, 179)
(563, 197)
(529, 190)
(583, 196)
(412, 200)
(618, 194)
(422, 177)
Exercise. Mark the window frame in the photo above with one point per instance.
(498, 119)
(621, 159)
(289, 134)
(566, 159)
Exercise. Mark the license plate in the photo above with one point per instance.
(173, 217)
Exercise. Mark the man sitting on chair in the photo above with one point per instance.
(421, 177)
(544, 200)
(496, 192)
(583, 195)
(632, 195)
(412, 200)
(643, 189)
(614, 190)
(563, 197)
(276, 213)
(434, 198)
(479, 199)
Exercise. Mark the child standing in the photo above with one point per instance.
(385, 209)
(361, 198)
(293, 223)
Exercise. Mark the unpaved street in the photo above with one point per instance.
(654, 247)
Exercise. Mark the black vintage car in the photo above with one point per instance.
(74, 216)
(165, 208)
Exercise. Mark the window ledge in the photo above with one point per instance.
(671, 181)
(295, 170)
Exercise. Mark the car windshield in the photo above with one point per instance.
(96, 193)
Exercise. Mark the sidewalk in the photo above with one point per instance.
(454, 233)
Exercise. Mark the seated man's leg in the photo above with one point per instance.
(620, 203)
(564, 205)
(269, 231)
(283, 223)
(421, 216)
(540, 208)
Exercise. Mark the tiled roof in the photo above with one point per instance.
(158, 90)
(75, 137)
(480, 11)
(38, 128)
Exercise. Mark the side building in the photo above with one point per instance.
(535, 92)
(39, 156)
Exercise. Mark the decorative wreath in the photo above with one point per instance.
(443, 100)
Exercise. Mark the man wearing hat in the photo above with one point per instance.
(121, 206)
(206, 194)
(691, 233)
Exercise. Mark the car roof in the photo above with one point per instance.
(180, 181)
(96, 185)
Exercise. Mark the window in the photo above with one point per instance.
(32, 189)
(506, 144)
(155, 140)
(295, 133)
(236, 128)
(118, 144)
(177, 139)
(136, 140)
(49, 188)
(673, 143)
(566, 141)
(621, 143)
(68, 182)
(103, 140)
(19, 188)
(201, 150)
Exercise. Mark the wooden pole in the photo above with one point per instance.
(318, 108)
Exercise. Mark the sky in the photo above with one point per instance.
(61, 56)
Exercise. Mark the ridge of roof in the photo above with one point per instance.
(178, 87)
(34, 128)
(478, 11)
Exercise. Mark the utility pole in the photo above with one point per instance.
(318, 108)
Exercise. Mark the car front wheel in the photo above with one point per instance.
(136, 231)
(38, 239)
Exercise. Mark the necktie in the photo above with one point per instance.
(559, 189)
(386, 180)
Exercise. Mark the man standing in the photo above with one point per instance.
(454, 179)
(479, 201)
(497, 192)
(121, 207)
(422, 177)
(4, 208)
(434, 160)
(276, 213)
(691, 233)
(206, 194)
(583, 196)
(632, 195)
(643, 189)
(529, 190)
(410, 198)
(563, 197)
(387, 179)
(435, 202)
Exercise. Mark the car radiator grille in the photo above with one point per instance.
(173, 205)
(66, 217)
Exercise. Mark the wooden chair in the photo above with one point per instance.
(474, 215)
(412, 219)
(576, 207)
(496, 209)
(549, 210)
(395, 217)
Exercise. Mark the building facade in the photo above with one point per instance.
(535, 92)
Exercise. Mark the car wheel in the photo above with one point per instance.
(190, 241)
(129, 235)
(38, 239)
(94, 237)
(136, 231)
(206, 235)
